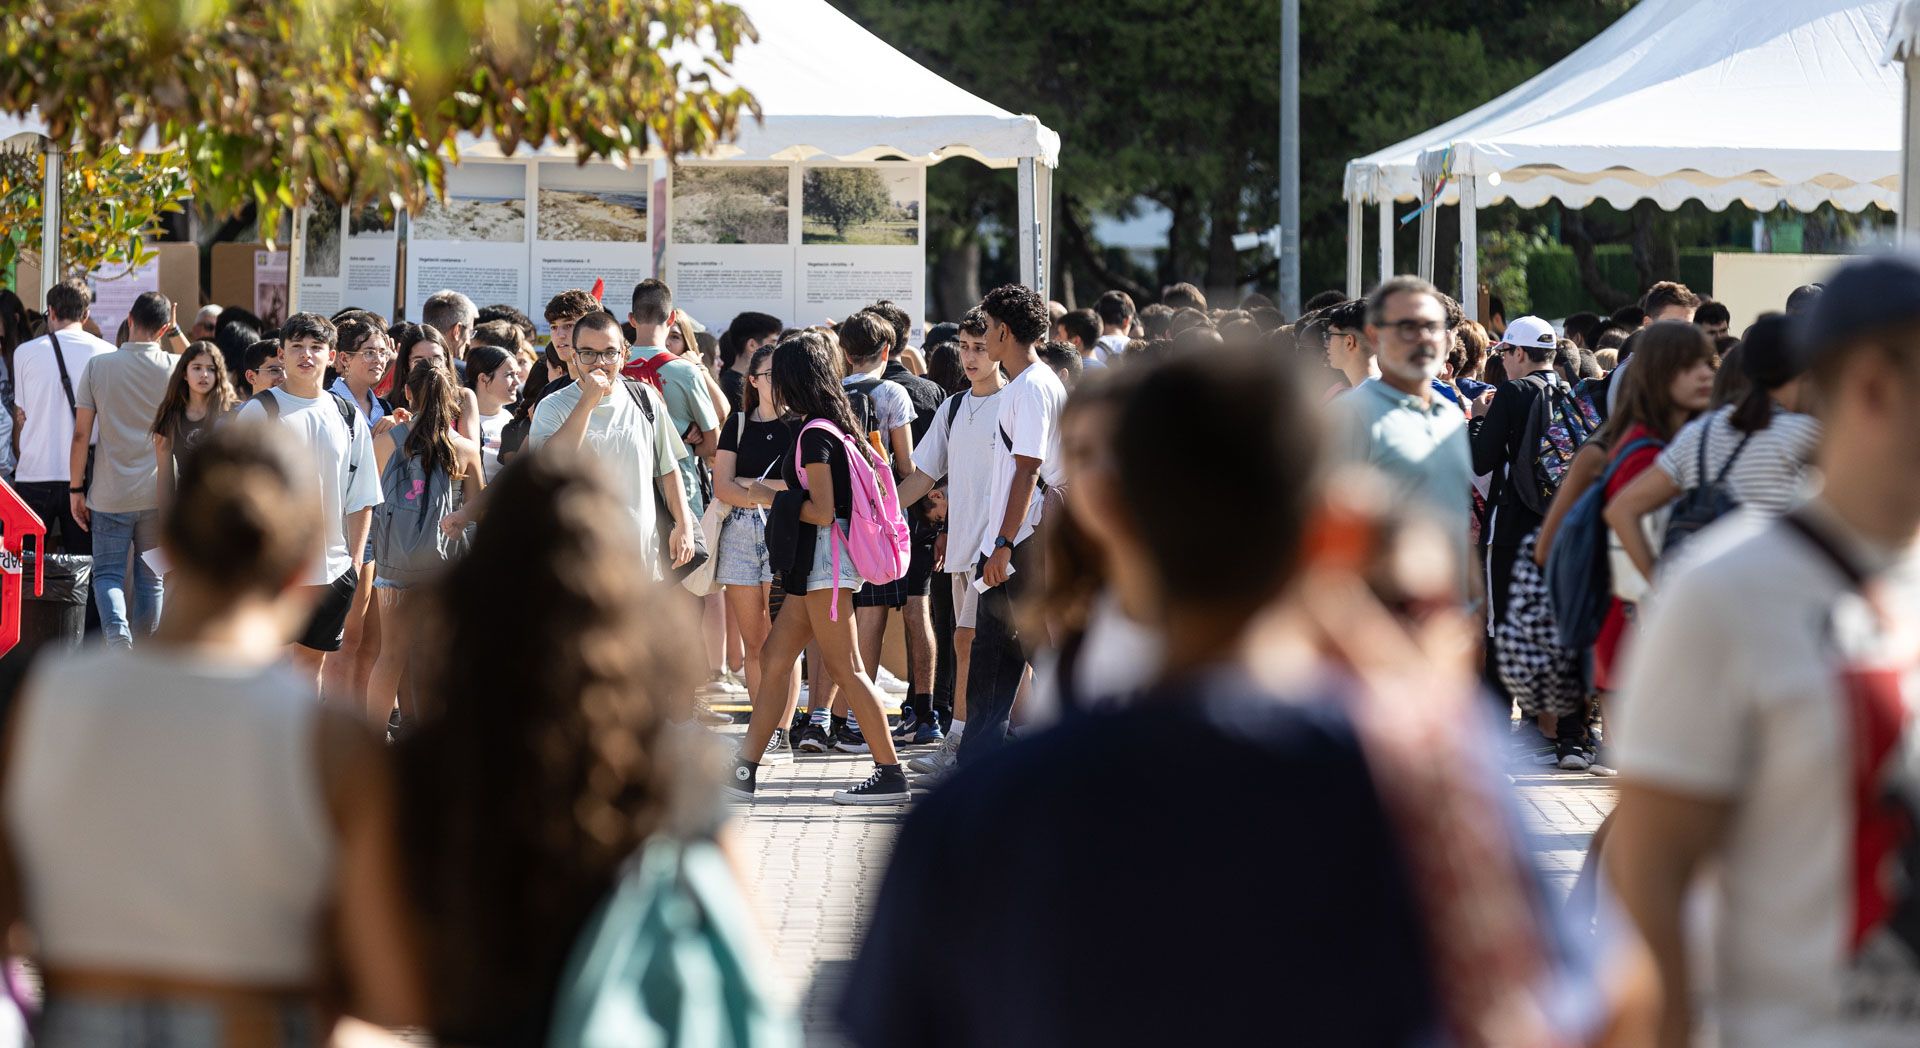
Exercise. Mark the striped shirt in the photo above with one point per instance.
(1770, 471)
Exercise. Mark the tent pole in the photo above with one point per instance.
(1028, 225)
(1386, 238)
(1469, 247)
(1043, 209)
(1910, 154)
(1356, 234)
(1427, 230)
(52, 207)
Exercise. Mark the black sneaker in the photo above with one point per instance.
(851, 740)
(813, 739)
(798, 726)
(740, 784)
(909, 724)
(778, 752)
(887, 785)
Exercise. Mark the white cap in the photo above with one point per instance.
(1529, 333)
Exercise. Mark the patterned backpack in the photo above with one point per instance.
(1557, 424)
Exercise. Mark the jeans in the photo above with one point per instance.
(999, 657)
(118, 539)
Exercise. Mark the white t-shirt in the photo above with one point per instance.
(891, 405)
(1738, 689)
(1030, 419)
(490, 429)
(965, 457)
(48, 435)
(637, 455)
(1767, 476)
(344, 469)
(1110, 346)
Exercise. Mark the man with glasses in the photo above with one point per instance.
(638, 443)
(1496, 436)
(1395, 421)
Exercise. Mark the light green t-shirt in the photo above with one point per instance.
(685, 391)
(636, 453)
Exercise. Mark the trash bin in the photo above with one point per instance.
(55, 620)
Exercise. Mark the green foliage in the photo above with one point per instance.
(844, 196)
(113, 204)
(1505, 261)
(360, 100)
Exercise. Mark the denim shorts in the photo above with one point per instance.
(87, 1022)
(821, 577)
(743, 559)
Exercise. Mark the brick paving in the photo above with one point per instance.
(811, 859)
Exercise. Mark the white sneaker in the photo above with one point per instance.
(889, 683)
(939, 760)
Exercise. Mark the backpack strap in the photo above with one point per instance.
(1731, 459)
(648, 370)
(953, 409)
(269, 403)
(66, 380)
(639, 396)
(1848, 568)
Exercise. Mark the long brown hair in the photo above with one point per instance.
(436, 404)
(554, 758)
(173, 403)
(1661, 351)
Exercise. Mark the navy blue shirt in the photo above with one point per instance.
(1209, 866)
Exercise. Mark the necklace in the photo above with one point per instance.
(973, 408)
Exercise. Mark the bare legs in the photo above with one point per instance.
(802, 620)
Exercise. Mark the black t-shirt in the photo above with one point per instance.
(734, 385)
(795, 562)
(1247, 790)
(761, 445)
(926, 395)
(1494, 438)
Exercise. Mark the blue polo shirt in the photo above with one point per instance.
(1420, 447)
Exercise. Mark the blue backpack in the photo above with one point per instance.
(1579, 575)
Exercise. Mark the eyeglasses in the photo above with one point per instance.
(275, 370)
(376, 354)
(760, 374)
(1412, 330)
(596, 356)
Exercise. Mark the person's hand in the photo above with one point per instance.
(680, 545)
(78, 504)
(595, 384)
(19, 419)
(940, 549)
(386, 423)
(453, 524)
(1483, 401)
(996, 570)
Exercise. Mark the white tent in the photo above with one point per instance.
(827, 87)
(1757, 101)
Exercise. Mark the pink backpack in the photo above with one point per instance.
(876, 537)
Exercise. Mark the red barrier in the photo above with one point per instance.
(17, 523)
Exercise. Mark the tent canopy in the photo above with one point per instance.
(829, 88)
(1755, 101)
(1762, 102)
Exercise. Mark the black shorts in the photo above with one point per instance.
(328, 627)
(920, 568)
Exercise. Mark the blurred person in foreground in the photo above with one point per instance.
(1258, 705)
(1766, 725)
(203, 852)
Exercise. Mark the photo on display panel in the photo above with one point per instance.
(367, 221)
(729, 204)
(595, 203)
(322, 239)
(495, 219)
(865, 206)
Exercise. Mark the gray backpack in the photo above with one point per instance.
(408, 545)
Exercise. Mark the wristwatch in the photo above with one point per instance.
(1001, 542)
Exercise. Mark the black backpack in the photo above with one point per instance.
(1707, 502)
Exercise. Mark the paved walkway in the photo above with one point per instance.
(811, 859)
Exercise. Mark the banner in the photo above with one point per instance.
(477, 241)
(346, 259)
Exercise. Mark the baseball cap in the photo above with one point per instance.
(1862, 297)
(1529, 333)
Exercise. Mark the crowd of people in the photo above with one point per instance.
(1331, 577)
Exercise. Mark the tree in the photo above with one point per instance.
(362, 100)
(844, 196)
(114, 203)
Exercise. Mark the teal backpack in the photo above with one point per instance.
(669, 959)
